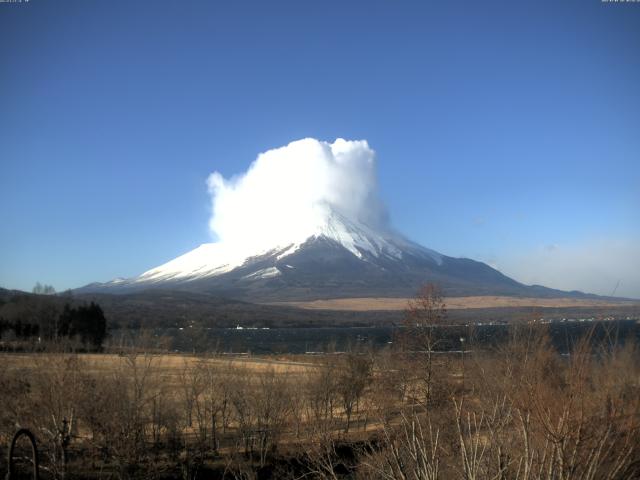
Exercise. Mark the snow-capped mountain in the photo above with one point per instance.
(335, 257)
(214, 259)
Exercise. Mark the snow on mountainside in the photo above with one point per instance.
(213, 259)
(337, 257)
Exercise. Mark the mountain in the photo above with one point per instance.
(335, 257)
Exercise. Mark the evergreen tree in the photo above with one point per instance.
(86, 322)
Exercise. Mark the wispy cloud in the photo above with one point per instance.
(594, 266)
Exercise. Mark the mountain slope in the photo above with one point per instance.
(337, 258)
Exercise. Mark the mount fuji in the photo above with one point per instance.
(336, 257)
(306, 222)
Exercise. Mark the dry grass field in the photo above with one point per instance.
(520, 411)
(454, 303)
(167, 364)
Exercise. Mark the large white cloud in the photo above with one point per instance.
(287, 193)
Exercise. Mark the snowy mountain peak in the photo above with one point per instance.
(340, 256)
(213, 259)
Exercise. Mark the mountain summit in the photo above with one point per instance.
(338, 257)
(305, 221)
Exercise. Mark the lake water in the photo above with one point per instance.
(309, 340)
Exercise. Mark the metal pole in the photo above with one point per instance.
(462, 351)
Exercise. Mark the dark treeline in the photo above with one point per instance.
(41, 318)
(174, 309)
(159, 309)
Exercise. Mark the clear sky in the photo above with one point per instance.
(505, 131)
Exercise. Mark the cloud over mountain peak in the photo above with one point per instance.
(287, 193)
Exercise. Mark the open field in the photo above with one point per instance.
(455, 303)
(168, 364)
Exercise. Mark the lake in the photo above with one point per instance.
(563, 335)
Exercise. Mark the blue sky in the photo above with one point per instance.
(505, 131)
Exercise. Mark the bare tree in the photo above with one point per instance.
(409, 450)
(354, 375)
(56, 385)
(425, 312)
(272, 407)
(321, 390)
(43, 289)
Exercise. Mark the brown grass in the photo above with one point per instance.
(166, 363)
(520, 411)
(453, 303)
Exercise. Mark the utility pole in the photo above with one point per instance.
(462, 339)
